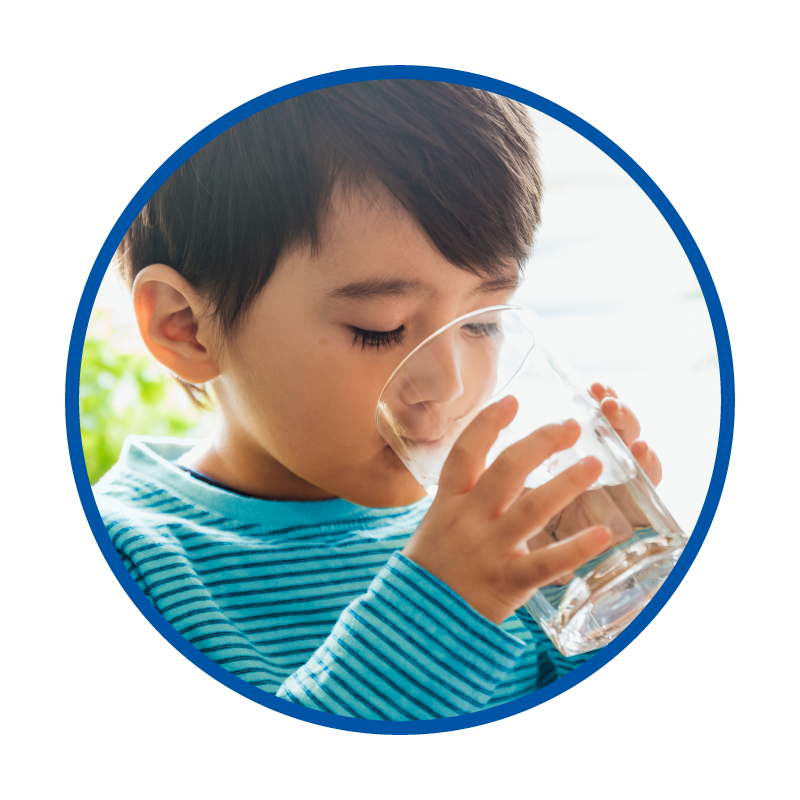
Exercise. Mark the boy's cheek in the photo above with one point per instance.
(321, 409)
(312, 408)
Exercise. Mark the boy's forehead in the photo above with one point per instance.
(371, 246)
(365, 224)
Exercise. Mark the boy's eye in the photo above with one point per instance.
(377, 339)
(480, 329)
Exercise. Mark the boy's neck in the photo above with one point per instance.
(229, 458)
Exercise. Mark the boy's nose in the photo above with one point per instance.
(434, 375)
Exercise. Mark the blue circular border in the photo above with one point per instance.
(446, 76)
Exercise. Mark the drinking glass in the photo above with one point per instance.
(482, 356)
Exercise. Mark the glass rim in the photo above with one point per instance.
(504, 307)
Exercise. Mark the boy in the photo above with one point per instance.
(290, 265)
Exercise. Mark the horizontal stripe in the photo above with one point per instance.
(323, 612)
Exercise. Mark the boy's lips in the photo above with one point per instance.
(413, 442)
(425, 432)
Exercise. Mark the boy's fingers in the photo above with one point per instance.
(601, 391)
(534, 509)
(546, 566)
(648, 460)
(622, 419)
(501, 484)
(467, 460)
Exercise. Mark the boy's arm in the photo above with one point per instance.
(409, 648)
(424, 641)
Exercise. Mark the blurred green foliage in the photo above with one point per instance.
(124, 393)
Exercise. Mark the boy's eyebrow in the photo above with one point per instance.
(508, 282)
(395, 287)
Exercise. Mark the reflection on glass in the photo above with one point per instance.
(448, 379)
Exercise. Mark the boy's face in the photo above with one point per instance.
(300, 380)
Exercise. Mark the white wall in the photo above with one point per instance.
(619, 296)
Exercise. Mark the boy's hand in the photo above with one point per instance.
(625, 423)
(578, 515)
(474, 536)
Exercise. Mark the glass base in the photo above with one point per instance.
(600, 603)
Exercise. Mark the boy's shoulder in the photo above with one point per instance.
(144, 472)
(147, 496)
(147, 490)
(143, 486)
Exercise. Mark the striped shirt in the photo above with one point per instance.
(312, 601)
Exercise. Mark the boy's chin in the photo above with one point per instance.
(398, 490)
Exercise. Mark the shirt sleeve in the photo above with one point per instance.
(561, 664)
(409, 648)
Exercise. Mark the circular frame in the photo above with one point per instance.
(581, 127)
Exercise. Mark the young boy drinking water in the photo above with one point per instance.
(289, 266)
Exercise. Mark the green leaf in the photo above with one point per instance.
(123, 394)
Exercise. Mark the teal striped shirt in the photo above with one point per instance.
(312, 601)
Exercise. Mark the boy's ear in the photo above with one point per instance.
(173, 325)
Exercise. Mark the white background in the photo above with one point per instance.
(96, 704)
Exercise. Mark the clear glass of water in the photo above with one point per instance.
(479, 358)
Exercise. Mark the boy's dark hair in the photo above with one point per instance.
(461, 161)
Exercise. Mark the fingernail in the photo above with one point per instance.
(508, 400)
(570, 424)
(602, 536)
(610, 407)
(590, 462)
